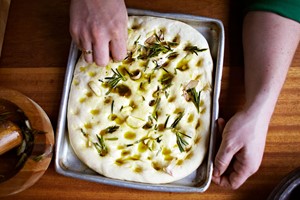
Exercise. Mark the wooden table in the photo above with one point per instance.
(34, 58)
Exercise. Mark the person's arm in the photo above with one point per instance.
(269, 42)
(99, 28)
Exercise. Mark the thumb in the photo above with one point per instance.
(224, 154)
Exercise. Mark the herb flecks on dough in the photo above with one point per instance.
(86, 135)
(190, 93)
(114, 80)
(195, 96)
(112, 106)
(166, 79)
(139, 115)
(155, 110)
(148, 124)
(109, 129)
(172, 55)
(153, 50)
(194, 49)
(166, 122)
(153, 46)
(100, 146)
(181, 142)
(177, 120)
(156, 48)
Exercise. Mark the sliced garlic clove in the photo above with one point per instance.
(134, 122)
(126, 110)
(136, 75)
(95, 88)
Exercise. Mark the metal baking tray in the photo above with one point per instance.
(67, 163)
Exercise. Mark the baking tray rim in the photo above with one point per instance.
(217, 76)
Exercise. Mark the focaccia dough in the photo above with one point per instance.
(146, 119)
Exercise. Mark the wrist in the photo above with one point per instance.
(260, 107)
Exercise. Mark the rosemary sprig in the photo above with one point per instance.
(5, 115)
(114, 80)
(100, 146)
(193, 49)
(195, 97)
(154, 50)
(23, 151)
(181, 142)
(177, 120)
(157, 48)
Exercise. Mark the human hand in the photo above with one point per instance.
(241, 149)
(99, 28)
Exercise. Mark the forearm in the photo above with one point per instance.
(269, 44)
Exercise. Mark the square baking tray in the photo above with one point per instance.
(67, 163)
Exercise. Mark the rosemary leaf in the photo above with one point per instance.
(177, 120)
(158, 139)
(112, 139)
(166, 79)
(84, 133)
(193, 49)
(112, 129)
(114, 80)
(112, 106)
(172, 55)
(155, 110)
(100, 146)
(153, 50)
(195, 97)
(166, 122)
(157, 48)
(137, 40)
(181, 142)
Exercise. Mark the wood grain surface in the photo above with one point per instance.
(34, 58)
(4, 9)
